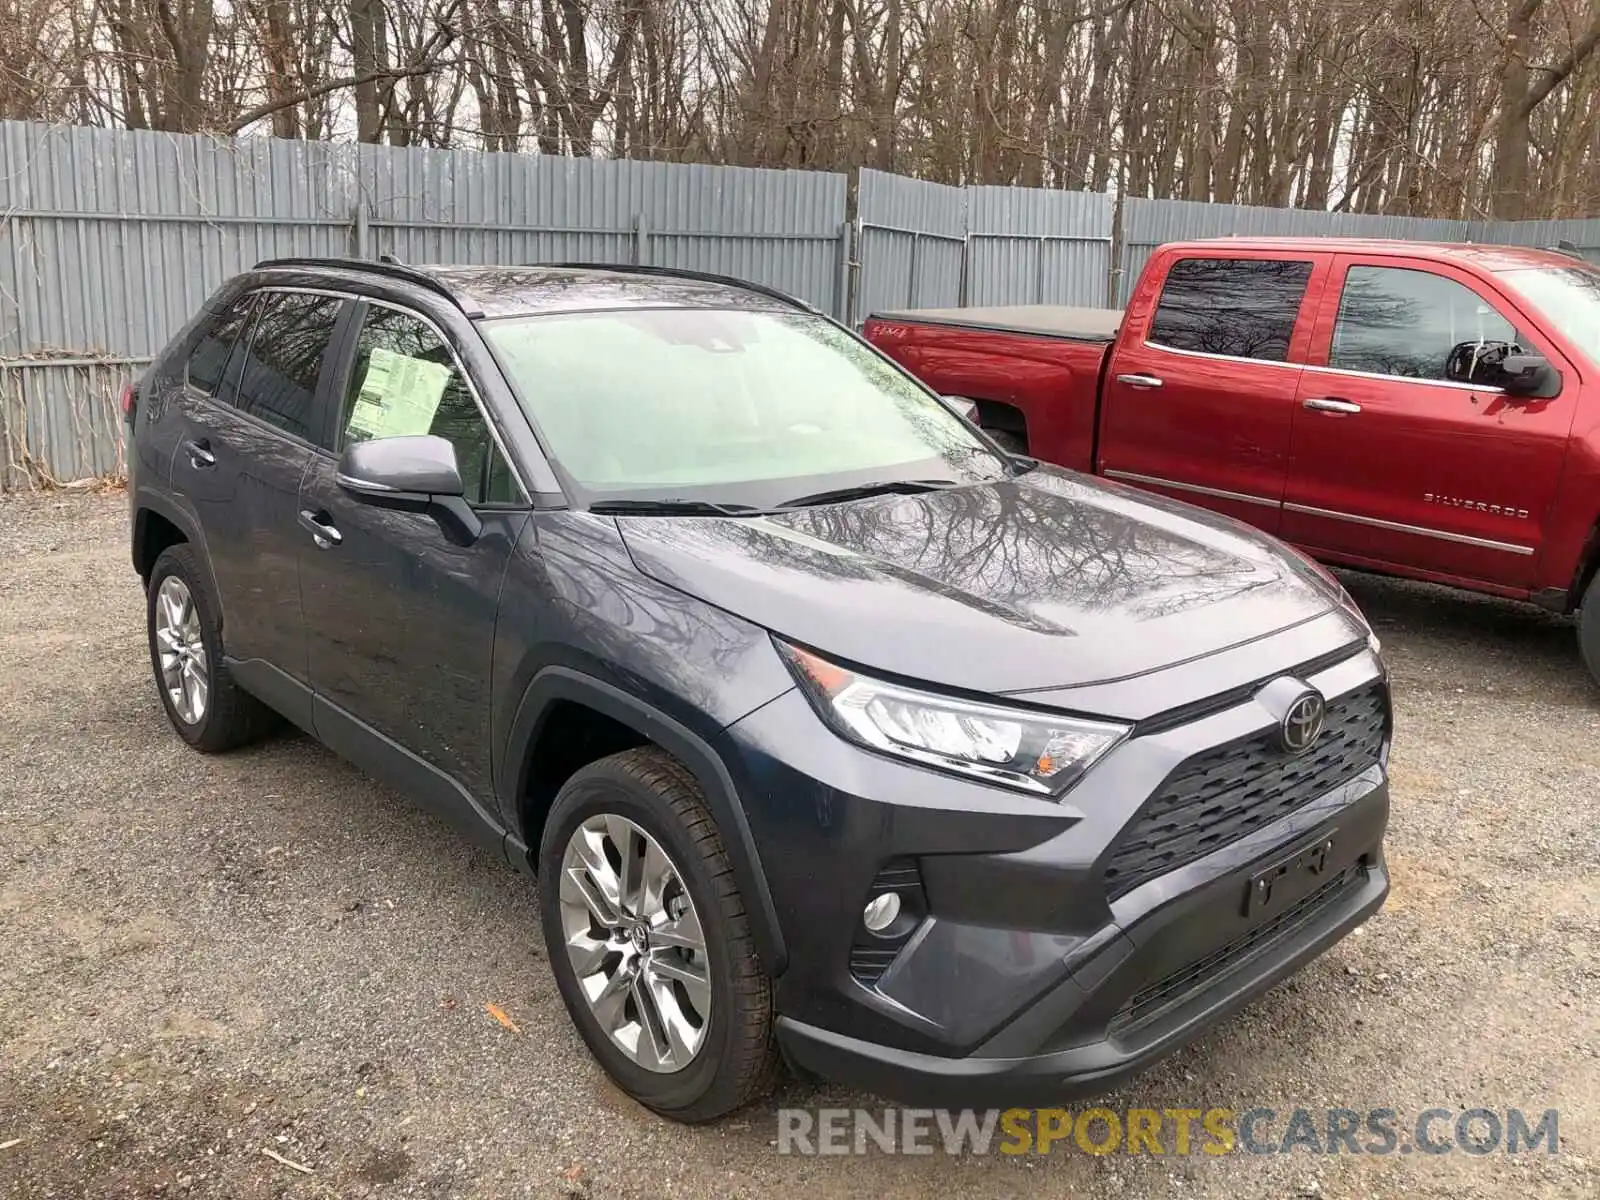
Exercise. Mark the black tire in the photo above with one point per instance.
(231, 717)
(1011, 443)
(1589, 628)
(738, 1062)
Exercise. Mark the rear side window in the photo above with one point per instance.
(284, 361)
(1398, 321)
(407, 382)
(1238, 307)
(208, 362)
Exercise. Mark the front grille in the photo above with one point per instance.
(1172, 990)
(1217, 797)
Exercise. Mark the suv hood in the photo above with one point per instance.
(1047, 580)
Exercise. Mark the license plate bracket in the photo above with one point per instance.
(1290, 878)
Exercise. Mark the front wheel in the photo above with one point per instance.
(1589, 628)
(649, 940)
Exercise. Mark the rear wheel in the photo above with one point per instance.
(1589, 628)
(649, 941)
(205, 706)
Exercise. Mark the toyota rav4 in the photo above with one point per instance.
(833, 733)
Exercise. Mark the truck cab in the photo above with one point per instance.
(1421, 410)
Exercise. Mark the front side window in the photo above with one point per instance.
(407, 382)
(287, 346)
(1238, 307)
(208, 362)
(727, 406)
(1399, 321)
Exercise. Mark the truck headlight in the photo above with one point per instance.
(1031, 751)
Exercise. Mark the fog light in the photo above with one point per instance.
(881, 911)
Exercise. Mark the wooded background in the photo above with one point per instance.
(1449, 108)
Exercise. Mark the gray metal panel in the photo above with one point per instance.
(912, 238)
(111, 239)
(1584, 234)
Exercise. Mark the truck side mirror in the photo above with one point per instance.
(1503, 365)
(1530, 376)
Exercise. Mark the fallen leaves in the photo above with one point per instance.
(499, 1014)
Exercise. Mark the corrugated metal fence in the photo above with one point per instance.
(109, 241)
(928, 245)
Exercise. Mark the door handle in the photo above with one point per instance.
(1139, 381)
(1331, 404)
(321, 529)
(199, 452)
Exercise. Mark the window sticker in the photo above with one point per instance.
(398, 397)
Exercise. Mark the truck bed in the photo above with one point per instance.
(1041, 320)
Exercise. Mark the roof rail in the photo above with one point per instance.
(389, 269)
(760, 289)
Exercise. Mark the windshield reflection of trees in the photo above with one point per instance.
(1014, 551)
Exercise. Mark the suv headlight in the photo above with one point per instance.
(1031, 751)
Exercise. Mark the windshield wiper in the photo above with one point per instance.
(671, 507)
(886, 487)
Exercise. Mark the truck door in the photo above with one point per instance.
(1199, 395)
(1400, 461)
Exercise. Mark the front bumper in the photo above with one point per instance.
(1026, 978)
(1083, 1054)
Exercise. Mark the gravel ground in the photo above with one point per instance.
(205, 958)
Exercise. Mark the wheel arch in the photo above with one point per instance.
(557, 685)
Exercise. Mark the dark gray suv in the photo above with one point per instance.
(833, 732)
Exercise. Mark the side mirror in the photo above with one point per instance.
(1529, 375)
(1503, 365)
(411, 474)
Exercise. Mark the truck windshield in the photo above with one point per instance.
(730, 407)
(1569, 298)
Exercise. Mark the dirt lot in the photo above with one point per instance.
(202, 958)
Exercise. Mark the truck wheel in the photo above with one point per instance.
(648, 938)
(1589, 628)
(1011, 443)
(205, 706)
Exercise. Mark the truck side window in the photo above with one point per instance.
(1238, 307)
(1400, 321)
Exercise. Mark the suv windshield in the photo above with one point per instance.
(736, 407)
(1569, 298)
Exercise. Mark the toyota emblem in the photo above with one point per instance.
(1303, 722)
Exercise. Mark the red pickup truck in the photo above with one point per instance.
(1431, 411)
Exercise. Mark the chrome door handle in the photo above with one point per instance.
(199, 453)
(321, 529)
(1331, 404)
(1139, 381)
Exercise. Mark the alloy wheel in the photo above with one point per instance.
(635, 942)
(181, 651)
